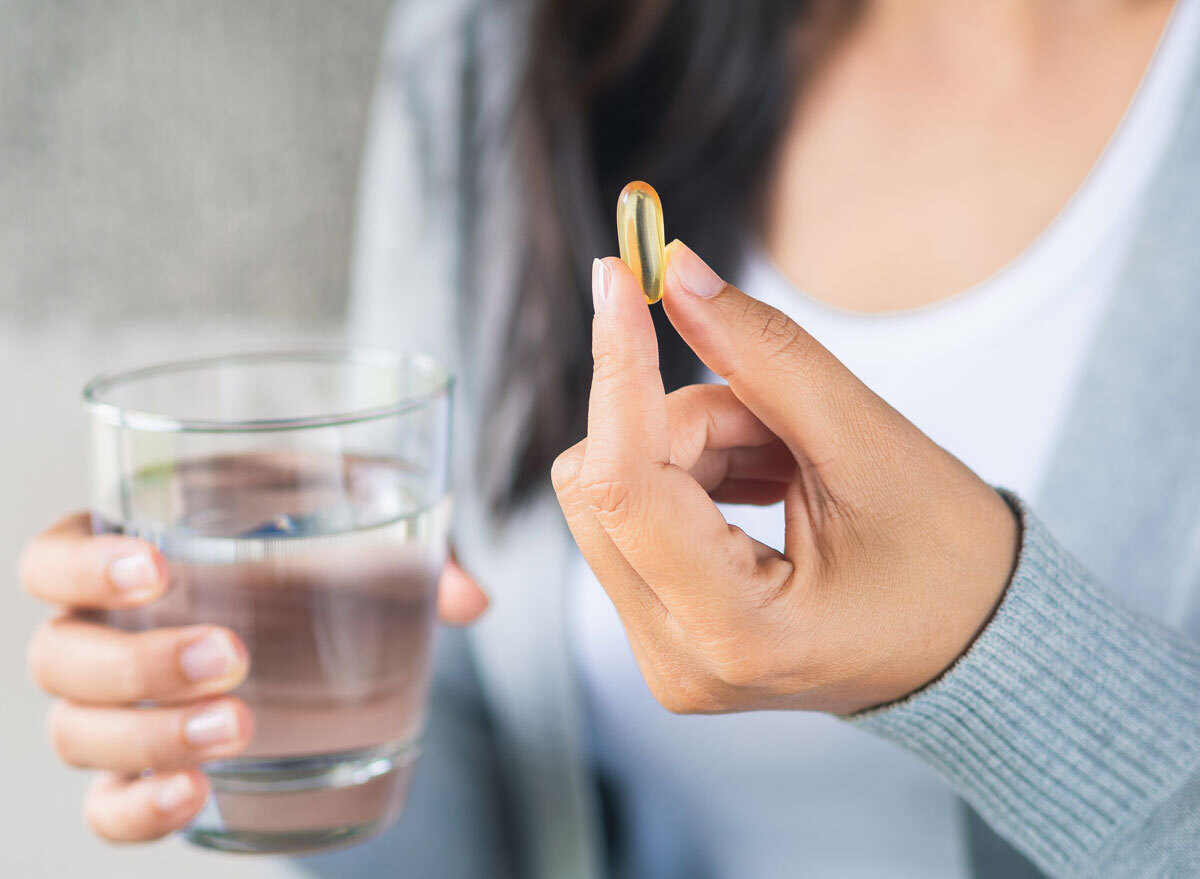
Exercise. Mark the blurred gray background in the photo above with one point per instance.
(175, 178)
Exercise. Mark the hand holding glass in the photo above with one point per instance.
(301, 501)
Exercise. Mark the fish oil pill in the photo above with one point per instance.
(640, 231)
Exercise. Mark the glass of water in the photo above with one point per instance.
(301, 500)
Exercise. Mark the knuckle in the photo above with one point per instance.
(147, 747)
(132, 674)
(673, 698)
(681, 700)
(742, 670)
(605, 361)
(159, 739)
(691, 403)
(564, 470)
(606, 491)
(685, 694)
(693, 415)
(777, 334)
(245, 722)
(686, 398)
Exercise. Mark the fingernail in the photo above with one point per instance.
(173, 793)
(692, 273)
(208, 657)
(133, 573)
(214, 726)
(601, 275)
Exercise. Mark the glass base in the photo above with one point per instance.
(303, 804)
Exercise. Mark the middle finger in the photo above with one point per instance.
(90, 662)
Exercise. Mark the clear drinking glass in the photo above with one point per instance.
(301, 500)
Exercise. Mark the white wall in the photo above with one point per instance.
(175, 178)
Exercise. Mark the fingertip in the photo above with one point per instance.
(626, 407)
(601, 274)
(179, 794)
(623, 332)
(614, 286)
(135, 571)
(460, 599)
(219, 728)
(246, 724)
(687, 273)
(69, 565)
(214, 657)
(463, 609)
(619, 270)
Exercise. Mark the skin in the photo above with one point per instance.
(895, 553)
(937, 126)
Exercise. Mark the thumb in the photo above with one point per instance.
(800, 391)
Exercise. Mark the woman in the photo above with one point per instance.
(990, 210)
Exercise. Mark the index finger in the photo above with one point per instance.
(68, 565)
(660, 518)
(627, 409)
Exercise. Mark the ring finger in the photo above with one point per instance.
(133, 739)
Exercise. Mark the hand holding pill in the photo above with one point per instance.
(895, 553)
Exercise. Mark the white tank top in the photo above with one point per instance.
(988, 375)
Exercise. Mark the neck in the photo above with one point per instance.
(1002, 35)
(1012, 16)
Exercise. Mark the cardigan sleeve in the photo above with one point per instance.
(1072, 725)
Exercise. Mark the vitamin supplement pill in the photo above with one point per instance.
(640, 231)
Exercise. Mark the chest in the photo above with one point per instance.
(943, 168)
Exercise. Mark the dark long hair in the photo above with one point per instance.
(690, 95)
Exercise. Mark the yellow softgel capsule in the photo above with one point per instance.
(640, 231)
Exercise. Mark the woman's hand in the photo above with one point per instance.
(99, 674)
(895, 553)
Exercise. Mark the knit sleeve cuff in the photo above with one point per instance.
(1067, 721)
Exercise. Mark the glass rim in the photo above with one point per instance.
(441, 384)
